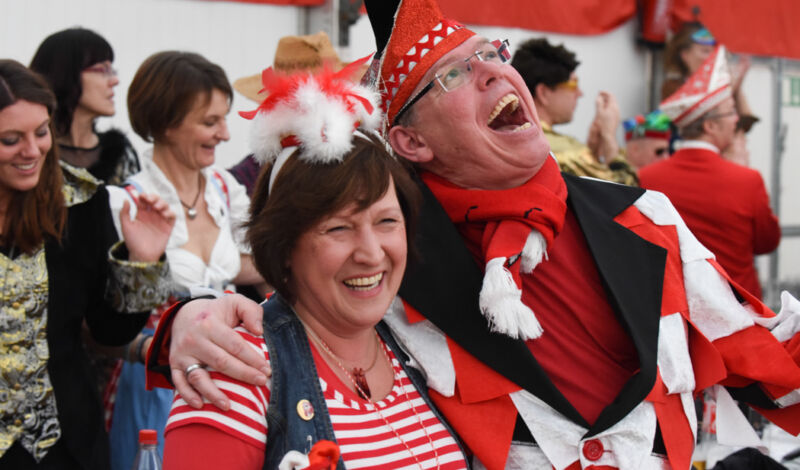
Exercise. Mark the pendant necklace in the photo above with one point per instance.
(358, 374)
(366, 396)
(191, 212)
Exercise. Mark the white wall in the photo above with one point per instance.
(240, 37)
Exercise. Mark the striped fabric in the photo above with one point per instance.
(364, 439)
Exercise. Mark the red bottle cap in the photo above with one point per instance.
(148, 436)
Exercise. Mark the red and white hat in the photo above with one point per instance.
(411, 35)
(706, 88)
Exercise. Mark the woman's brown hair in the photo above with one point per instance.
(673, 63)
(32, 216)
(305, 193)
(166, 88)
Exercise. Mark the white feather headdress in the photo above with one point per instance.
(318, 113)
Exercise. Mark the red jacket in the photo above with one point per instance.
(724, 204)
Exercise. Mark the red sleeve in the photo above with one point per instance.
(157, 360)
(158, 373)
(766, 228)
(197, 447)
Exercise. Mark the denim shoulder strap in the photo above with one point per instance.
(294, 379)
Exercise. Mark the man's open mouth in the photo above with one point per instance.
(508, 115)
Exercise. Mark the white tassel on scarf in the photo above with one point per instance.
(501, 303)
(501, 298)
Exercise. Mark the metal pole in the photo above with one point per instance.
(778, 135)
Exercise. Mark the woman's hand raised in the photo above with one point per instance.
(146, 236)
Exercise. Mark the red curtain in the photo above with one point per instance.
(762, 27)
(296, 3)
(559, 16)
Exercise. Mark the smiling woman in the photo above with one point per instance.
(59, 267)
(329, 227)
(179, 101)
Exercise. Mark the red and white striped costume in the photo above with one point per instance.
(364, 439)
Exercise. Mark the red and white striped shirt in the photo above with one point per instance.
(363, 437)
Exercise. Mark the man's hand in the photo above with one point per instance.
(602, 140)
(202, 333)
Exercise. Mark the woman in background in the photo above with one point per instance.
(179, 101)
(58, 268)
(78, 65)
(684, 54)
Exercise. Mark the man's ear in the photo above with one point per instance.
(542, 94)
(709, 126)
(410, 144)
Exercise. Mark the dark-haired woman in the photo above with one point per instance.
(329, 228)
(78, 65)
(59, 266)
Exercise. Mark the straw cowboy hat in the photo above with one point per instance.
(294, 53)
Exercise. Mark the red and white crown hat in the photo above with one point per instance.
(706, 88)
(317, 112)
(411, 35)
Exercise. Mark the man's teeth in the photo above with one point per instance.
(500, 106)
(527, 125)
(364, 283)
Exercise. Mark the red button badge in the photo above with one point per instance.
(593, 449)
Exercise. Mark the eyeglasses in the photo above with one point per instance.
(661, 151)
(106, 69)
(571, 84)
(457, 73)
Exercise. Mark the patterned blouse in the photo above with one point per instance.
(28, 411)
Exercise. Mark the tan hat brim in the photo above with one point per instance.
(249, 86)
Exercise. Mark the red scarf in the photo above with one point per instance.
(521, 223)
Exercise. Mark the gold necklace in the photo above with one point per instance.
(358, 373)
(366, 397)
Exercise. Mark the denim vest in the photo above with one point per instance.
(295, 378)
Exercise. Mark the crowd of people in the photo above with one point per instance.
(435, 277)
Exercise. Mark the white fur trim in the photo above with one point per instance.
(427, 347)
(322, 123)
(534, 251)
(501, 303)
(674, 362)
